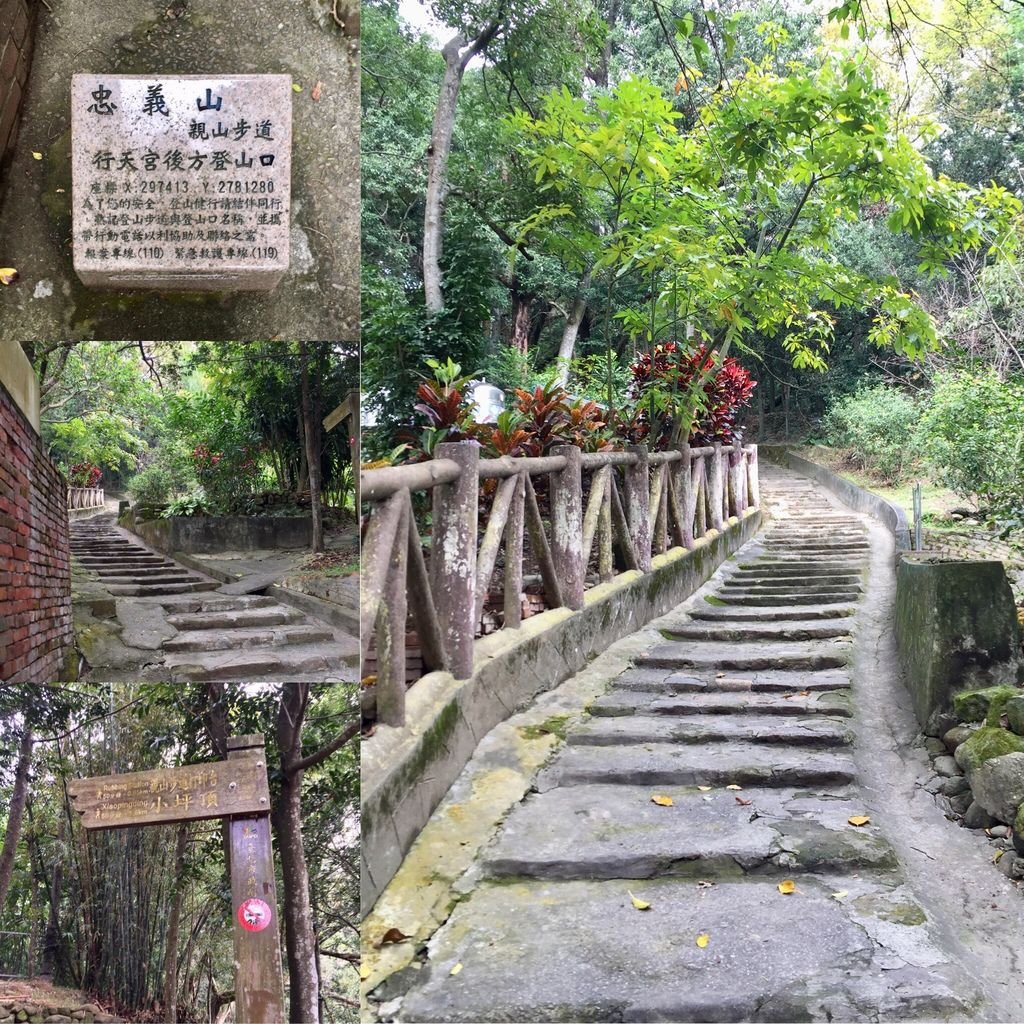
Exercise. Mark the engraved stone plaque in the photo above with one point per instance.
(181, 183)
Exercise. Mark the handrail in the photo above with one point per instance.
(85, 497)
(584, 517)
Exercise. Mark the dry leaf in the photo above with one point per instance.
(298, 88)
(662, 801)
(997, 855)
(705, 884)
(742, 802)
(364, 971)
(704, 789)
(859, 819)
(318, 91)
(455, 970)
(8, 275)
(707, 799)
(733, 786)
(841, 895)
(703, 939)
(787, 887)
(36, 156)
(391, 936)
(638, 903)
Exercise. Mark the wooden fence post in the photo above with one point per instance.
(638, 510)
(686, 493)
(453, 554)
(514, 527)
(716, 485)
(567, 524)
(753, 483)
(259, 992)
(393, 614)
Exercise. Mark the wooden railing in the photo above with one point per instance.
(85, 497)
(638, 504)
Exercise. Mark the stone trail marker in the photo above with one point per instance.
(181, 183)
(235, 789)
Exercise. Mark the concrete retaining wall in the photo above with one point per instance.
(849, 493)
(406, 772)
(35, 561)
(956, 628)
(210, 535)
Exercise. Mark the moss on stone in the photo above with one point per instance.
(711, 599)
(985, 705)
(1014, 711)
(988, 742)
(553, 726)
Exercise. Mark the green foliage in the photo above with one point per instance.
(972, 435)
(156, 484)
(104, 438)
(876, 426)
(188, 505)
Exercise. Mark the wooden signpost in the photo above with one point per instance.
(235, 789)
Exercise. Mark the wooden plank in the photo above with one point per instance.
(350, 407)
(163, 796)
(259, 995)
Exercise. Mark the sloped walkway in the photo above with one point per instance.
(703, 847)
(195, 633)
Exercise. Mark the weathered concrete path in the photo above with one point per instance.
(595, 902)
(172, 624)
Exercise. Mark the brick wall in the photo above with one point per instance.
(35, 562)
(16, 25)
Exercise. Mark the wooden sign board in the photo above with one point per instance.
(166, 795)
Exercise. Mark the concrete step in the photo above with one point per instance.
(776, 581)
(137, 573)
(241, 639)
(784, 600)
(812, 731)
(747, 656)
(582, 952)
(730, 613)
(711, 764)
(138, 590)
(618, 832)
(784, 587)
(801, 567)
(707, 680)
(236, 618)
(323, 662)
(620, 703)
(806, 629)
(155, 579)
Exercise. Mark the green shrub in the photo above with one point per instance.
(154, 485)
(875, 425)
(972, 435)
(188, 505)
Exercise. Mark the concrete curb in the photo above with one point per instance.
(406, 772)
(888, 513)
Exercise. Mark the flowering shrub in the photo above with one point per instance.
(84, 474)
(226, 476)
(667, 375)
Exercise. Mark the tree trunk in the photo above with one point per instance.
(14, 815)
(313, 435)
(457, 53)
(171, 952)
(571, 330)
(300, 941)
(520, 339)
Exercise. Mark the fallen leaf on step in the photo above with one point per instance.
(859, 819)
(703, 939)
(455, 970)
(661, 801)
(742, 802)
(997, 855)
(704, 789)
(638, 903)
(391, 936)
(8, 275)
(706, 884)
(707, 799)
(317, 92)
(787, 887)
(841, 895)
(36, 156)
(364, 971)
(733, 786)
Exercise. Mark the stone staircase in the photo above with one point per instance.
(745, 892)
(127, 568)
(206, 635)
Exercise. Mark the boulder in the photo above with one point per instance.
(954, 786)
(946, 766)
(977, 817)
(998, 785)
(957, 735)
(984, 744)
(1014, 711)
(985, 705)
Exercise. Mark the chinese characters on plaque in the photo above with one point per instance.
(181, 183)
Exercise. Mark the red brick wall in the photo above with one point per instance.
(35, 561)
(16, 24)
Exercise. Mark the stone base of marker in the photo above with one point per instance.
(181, 183)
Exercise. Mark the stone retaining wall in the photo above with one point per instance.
(17, 21)
(17, 1011)
(35, 561)
(211, 535)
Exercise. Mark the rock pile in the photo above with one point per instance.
(24, 1012)
(978, 758)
